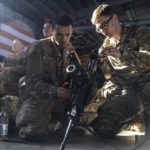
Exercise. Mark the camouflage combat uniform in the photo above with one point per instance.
(44, 73)
(128, 86)
(9, 85)
(9, 79)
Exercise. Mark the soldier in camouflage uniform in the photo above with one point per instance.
(11, 72)
(44, 100)
(13, 69)
(125, 61)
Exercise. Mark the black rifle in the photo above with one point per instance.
(83, 80)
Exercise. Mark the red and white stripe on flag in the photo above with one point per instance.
(10, 31)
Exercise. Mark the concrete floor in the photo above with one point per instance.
(124, 141)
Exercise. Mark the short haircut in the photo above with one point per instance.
(101, 10)
(48, 21)
(62, 20)
(21, 41)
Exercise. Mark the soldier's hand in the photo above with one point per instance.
(64, 93)
(111, 51)
(101, 58)
(69, 47)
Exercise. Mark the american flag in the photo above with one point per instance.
(10, 31)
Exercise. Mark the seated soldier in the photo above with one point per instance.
(124, 57)
(13, 68)
(11, 72)
(45, 100)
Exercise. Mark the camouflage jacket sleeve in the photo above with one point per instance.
(19, 68)
(138, 59)
(17, 64)
(37, 81)
(97, 82)
(142, 56)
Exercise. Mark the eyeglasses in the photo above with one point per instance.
(104, 25)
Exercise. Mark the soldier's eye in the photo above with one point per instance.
(58, 34)
(67, 34)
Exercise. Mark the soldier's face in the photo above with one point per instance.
(62, 34)
(17, 46)
(47, 30)
(106, 25)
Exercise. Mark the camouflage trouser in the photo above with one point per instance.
(117, 112)
(145, 98)
(37, 118)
